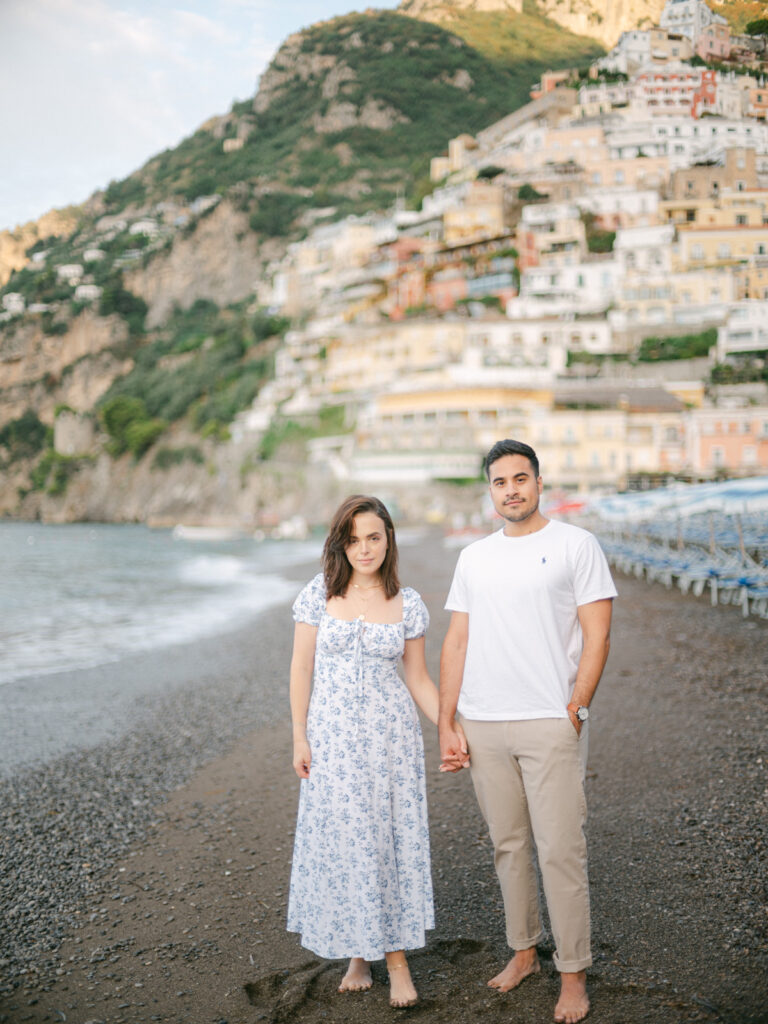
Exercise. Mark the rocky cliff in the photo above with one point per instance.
(603, 19)
(14, 244)
(168, 330)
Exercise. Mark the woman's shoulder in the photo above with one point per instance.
(415, 614)
(310, 603)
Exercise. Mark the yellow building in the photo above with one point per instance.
(480, 215)
(647, 298)
(366, 357)
(714, 246)
(460, 151)
(751, 279)
(732, 209)
(442, 432)
(541, 146)
(633, 172)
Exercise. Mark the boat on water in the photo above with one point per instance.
(202, 533)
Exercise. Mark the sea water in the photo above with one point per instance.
(81, 595)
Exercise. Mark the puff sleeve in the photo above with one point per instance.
(310, 604)
(415, 614)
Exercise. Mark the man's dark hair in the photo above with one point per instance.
(510, 447)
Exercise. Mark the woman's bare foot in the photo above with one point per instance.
(402, 991)
(524, 963)
(573, 1004)
(358, 977)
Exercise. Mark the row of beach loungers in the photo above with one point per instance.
(726, 553)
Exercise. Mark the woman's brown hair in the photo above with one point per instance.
(336, 568)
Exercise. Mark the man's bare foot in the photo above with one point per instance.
(573, 1004)
(358, 977)
(524, 963)
(402, 991)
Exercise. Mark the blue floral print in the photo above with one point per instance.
(361, 882)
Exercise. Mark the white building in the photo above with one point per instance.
(145, 226)
(587, 287)
(745, 330)
(600, 97)
(646, 250)
(13, 303)
(688, 18)
(87, 292)
(69, 272)
(621, 207)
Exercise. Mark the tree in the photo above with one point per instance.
(758, 27)
(528, 193)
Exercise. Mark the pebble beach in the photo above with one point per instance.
(145, 878)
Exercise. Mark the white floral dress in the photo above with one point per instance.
(361, 882)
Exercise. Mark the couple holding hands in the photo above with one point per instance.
(526, 645)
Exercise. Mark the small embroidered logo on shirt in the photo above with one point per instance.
(543, 559)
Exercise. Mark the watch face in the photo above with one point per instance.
(582, 714)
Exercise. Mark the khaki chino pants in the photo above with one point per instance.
(529, 781)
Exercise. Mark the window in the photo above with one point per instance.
(723, 251)
(741, 218)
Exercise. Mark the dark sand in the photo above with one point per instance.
(188, 924)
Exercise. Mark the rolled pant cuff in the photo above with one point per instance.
(519, 944)
(571, 966)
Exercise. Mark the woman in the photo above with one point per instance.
(361, 885)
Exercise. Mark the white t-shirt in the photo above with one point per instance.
(525, 640)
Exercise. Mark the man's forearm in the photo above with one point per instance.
(595, 620)
(591, 665)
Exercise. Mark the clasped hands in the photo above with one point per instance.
(454, 754)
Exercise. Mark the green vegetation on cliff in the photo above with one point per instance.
(206, 362)
(351, 111)
(682, 346)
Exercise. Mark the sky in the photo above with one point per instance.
(90, 89)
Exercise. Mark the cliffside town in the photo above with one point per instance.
(589, 272)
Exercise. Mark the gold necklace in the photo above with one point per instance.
(364, 600)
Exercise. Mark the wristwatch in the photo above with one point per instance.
(581, 712)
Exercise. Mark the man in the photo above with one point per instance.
(527, 642)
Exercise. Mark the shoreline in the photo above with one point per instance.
(180, 917)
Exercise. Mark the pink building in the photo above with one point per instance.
(714, 42)
(734, 441)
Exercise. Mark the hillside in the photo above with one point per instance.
(142, 334)
(348, 112)
(603, 20)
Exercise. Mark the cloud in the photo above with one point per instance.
(94, 88)
(100, 86)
